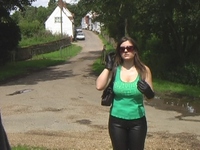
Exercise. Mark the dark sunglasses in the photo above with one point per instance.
(128, 48)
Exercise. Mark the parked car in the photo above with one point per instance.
(80, 36)
(78, 30)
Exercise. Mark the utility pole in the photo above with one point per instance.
(60, 4)
(61, 28)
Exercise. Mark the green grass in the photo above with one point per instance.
(181, 89)
(38, 62)
(40, 39)
(24, 147)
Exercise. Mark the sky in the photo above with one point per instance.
(44, 3)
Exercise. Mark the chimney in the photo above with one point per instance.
(64, 4)
(60, 3)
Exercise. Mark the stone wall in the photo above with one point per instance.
(28, 52)
(110, 40)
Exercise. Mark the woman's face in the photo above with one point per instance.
(127, 50)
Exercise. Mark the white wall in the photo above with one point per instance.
(55, 28)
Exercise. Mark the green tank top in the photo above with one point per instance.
(128, 100)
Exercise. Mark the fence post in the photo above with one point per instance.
(103, 54)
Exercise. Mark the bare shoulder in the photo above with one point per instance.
(149, 77)
(147, 69)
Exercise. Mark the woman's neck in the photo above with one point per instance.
(128, 65)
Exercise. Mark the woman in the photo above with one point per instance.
(127, 121)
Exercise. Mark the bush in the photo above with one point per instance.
(188, 74)
(40, 37)
(28, 29)
(165, 65)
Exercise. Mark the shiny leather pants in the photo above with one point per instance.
(127, 134)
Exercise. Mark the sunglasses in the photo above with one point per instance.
(128, 48)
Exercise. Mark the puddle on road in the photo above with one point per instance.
(20, 92)
(184, 105)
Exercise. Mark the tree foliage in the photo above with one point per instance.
(32, 24)
(8, 35)
(167, 31)
(9, 30)
(79, 11)
(175, 24)
(15, 4)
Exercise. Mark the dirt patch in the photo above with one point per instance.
(98, 139)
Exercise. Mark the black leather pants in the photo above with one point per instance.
(127, 134)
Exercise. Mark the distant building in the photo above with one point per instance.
(61, 21)
(88, 23)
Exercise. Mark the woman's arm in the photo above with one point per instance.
(148, 78)
(103, 79)
(146, 86)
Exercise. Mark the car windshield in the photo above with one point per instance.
(79, 30)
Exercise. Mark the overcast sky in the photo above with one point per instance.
(44, 3)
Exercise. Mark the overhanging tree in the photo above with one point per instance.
(167, 28)
(116, 15)
(9, 31)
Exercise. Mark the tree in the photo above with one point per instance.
(165, 29)
(175, 26)
(116, 15)
(78, 11)
(15, 4)
(9, 36)
(9, 31)
(52, 3)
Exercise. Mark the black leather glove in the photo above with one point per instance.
(144, 88)
(110, 60)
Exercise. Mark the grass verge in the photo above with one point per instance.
(20, 68)
(24, 147)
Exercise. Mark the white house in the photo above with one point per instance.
(97, 27)
(60, 21)
(88, 23)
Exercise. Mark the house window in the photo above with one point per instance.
(57, 19)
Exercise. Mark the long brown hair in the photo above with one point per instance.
(139, 65)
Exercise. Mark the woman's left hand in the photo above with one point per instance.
(144, 88)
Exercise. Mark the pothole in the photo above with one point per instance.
(84, 121)
(53, 109)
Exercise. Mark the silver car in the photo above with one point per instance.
(80, 36)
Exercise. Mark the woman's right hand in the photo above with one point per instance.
(110, 60)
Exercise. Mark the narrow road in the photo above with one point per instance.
(60, 109)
